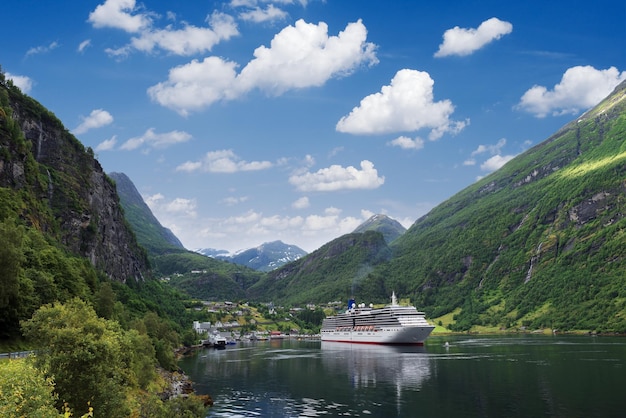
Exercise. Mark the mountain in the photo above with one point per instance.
(331, 272)
(212, 252)
(265, 257)
(537, 244)
(72, 271)
(199, 276)
(390, 228)
(62, 227)
(206, 278)
(53, 184)
(150, 233)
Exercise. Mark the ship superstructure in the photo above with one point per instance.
(393, 324)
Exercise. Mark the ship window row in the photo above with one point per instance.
(363, 321)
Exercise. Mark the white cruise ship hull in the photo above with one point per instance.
(399, 336)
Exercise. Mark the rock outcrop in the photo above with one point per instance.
(60, 188)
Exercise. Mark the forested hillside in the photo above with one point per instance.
(61, 224)
(73, 279)
(539, 243)
(333, 272)
(54, 185)
(205, 278)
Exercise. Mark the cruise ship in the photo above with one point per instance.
(393, 324)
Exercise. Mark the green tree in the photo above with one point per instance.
(88, 356)
(10, 260)
(150, 406)
(164, 338)
(105, 301)
(143, 360)
(25, 391)
(16, 292)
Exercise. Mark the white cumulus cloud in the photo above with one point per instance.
(193, 86)
(84, 45)
(182, 205)
(461, 41)
(42, 49)
(233, 200)
(156, 140)
(336, 177)
(299, 56)
(178, 206)
(24, 83)
(120, 14)
(496, 159)
(492, 149)
(405, 142)
(580, 88)
(107, 144)
(301, 203)
(304, 55)
(259, 15)
(153, 200)
(495, 162)
(250, 228)
(407, 104)
(189, 40)
(96, 119)
(132, 18)
(331, 220)
(223, 161)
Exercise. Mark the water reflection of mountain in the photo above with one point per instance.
(368, 365)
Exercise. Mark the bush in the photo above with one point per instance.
(88, 356)
(25, 391)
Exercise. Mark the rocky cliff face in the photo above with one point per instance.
(63, 189)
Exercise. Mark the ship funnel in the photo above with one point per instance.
(394, 300)
(351, 304)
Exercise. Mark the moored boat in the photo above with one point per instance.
(392, 324)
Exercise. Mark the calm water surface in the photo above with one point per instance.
(510, 376)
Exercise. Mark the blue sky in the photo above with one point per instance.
(247, 121)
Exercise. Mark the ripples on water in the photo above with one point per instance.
(467, 377)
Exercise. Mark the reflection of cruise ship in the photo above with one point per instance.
(371, 365)
(393, 324)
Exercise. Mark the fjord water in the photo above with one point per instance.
(492, 376)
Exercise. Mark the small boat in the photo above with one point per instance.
(215, 340)
(392, 324)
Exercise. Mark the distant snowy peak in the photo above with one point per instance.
(212, 252)
(266, 257)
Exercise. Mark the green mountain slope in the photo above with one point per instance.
(206, 278)
(390, 228)
(150, 233)
(330, 273)
(50, 182)
(74, 280)
(539, 243)
(197, 275)
(62, 228)
(267, 256)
